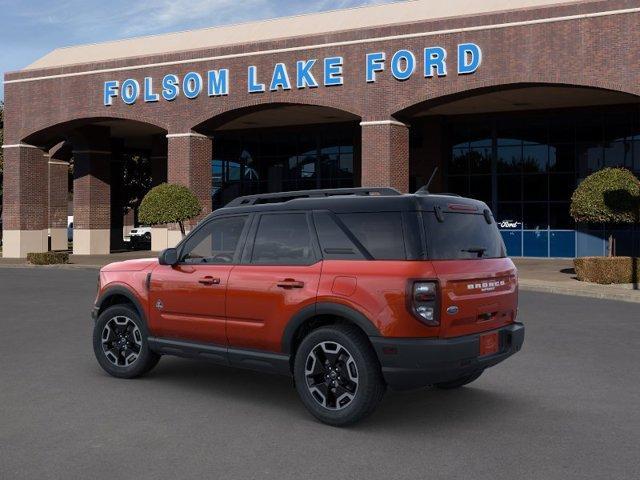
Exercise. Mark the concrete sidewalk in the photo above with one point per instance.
(558, 276)
(536, 274)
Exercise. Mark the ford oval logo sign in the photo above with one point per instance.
(452, 310)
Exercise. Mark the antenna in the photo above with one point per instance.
(425, 188)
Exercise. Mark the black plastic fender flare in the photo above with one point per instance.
(325, 308)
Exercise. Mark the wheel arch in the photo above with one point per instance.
(119, 295)
(320, 314)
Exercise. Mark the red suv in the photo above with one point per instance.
(348, 290)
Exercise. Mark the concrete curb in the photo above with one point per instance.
(58, 266)
(604, 292)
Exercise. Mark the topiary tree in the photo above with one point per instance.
(169, 203)
(610, 195)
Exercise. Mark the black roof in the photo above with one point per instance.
(351, 200)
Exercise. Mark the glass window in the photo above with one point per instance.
(462, 236)
(458, 185)
(480, 187)
(509, 216)
(535, 158)
(535, 216)
(480, 160)
(509, 188)
(334, 242)
(283, 239)
(216, 242)
(535, 187)
(510, 159)
(559, 217)
(379, 233)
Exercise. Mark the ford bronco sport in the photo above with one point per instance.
(348, 290)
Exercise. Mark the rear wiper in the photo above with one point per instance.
(479, 250)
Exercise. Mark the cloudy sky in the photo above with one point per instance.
(31, 28)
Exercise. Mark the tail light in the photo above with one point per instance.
(424, 302)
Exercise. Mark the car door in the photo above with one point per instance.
(278, 275)
(187, 300)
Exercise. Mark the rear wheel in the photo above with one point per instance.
(459, 382)
(337, 375)
(120, 343)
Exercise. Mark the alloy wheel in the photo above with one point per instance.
(332, 375)
(121, 341)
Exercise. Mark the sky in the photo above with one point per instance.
(29, 29)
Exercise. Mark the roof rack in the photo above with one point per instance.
(286, 196)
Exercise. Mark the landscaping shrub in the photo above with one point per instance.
(610, 195)
(169, 203)
(48, 258)
(607, 270)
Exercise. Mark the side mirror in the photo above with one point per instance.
(168, 256)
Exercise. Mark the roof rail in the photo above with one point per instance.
(286, 196)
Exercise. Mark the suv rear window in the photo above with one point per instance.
(380, 233)
(462, 236)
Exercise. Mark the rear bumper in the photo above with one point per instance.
(415, 363)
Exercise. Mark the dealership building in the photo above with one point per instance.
(514, 102)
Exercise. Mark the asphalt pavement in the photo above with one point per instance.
(565, 407)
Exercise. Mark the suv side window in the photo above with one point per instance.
(215, 243)
(381, 233)
(334, 242)
(283, 239)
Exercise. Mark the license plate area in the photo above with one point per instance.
(489, 344)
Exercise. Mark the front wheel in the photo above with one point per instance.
(337, 375)
(120, 343)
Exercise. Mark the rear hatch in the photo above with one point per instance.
(478, 283)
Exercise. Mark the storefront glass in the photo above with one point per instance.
(275, 160)
(526, 166)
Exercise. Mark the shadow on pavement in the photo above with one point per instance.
(405, 411)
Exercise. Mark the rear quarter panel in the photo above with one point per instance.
(378, 290)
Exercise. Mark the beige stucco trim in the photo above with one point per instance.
(383, 122)
(58, 238)
(173, 238)
(188, 134)
(91, 242)
(20, 145)
(17, 243)
(329, 45)
(159, 238)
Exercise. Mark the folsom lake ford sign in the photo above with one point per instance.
(310, 73)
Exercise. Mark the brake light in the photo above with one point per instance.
(424, 302)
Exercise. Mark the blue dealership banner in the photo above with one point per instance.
(308, 73)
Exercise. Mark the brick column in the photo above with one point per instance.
(58, 196)
(385, 154)
(158, 158)
(25, 201)
(92, 192)
(189, 164)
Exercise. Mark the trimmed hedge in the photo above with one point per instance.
(168, 203)
(610, 195)
(607, 270)
(48, 258)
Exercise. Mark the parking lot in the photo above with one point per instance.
(565, 407)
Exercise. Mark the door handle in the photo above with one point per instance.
(209, 281)
(290, 283)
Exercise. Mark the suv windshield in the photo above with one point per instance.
(462, 236)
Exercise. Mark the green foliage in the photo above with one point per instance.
(169, 203)
(607, 270)
(136, 181)
(611, 195)
(48, 258)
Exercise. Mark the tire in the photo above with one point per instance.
(350, 386)
(459, 382)
(121, 325)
